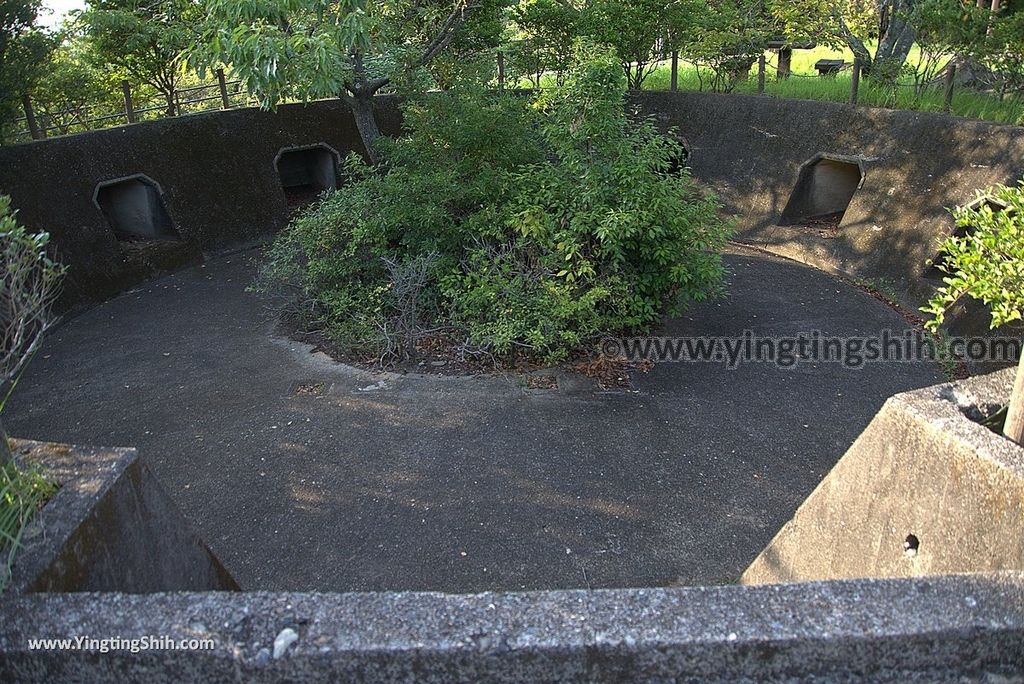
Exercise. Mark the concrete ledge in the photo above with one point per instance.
(924, 490)
(110, 527)
(958, 628)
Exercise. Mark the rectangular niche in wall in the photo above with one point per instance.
(134, 208)
(823, 192)
(305, 172)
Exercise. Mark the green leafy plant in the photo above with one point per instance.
(986, 262)
(547, 222)
(23, 491)
(143, 40)
(29, 282)
(309, 49)
(23, 50)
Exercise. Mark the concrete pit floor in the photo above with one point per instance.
(462, 484)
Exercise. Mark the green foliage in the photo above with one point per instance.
(547, 30)
(310, 49)
(547, 222)
(967, 102)
(23, 49)
(727, 39)
(28, 284)
(23, 491)
(987, 262)
(72, 89)
(1002, 53)
(637, 30)
(944, 29)
(142, 39)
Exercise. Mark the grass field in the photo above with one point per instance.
(805, 84)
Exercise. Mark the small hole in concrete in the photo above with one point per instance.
(910, 545)
(135, 210)
(822, 194)
(307, 172)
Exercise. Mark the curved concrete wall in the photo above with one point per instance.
(221, 188)
(915, 166)
(216, 173)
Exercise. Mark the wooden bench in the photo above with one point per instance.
(829, 67)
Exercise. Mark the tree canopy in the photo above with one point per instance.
(310, 49)
(143, 39)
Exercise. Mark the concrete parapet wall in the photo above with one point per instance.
(924, 490)
(221, 189)
(110, 527)
(955, 629)
(216, 172)
(915, 166)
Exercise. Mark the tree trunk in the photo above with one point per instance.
(366, 123)
(5, 447)
(785, 66)
(895, 43)
(741, 72)
(171, 109)
(857, 47)
(1014, 425)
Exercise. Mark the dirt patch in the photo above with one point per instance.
(442, 354)
(541, 382)
(611, 373)
(826, 225)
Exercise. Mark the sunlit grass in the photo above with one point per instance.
(805, 84)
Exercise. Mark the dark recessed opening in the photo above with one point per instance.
(933, 269)
(678, 162)
(911, 544)
(307, 172)
(822, 193)
(135, 210)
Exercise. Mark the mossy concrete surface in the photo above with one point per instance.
(915, 166)
(110, 527)
(924, 490)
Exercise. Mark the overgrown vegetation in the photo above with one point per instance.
(986, 262)
(28, 284)
(23, 491)
(511, 226)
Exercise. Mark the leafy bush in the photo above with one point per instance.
(23, 491)
(29, 282)
(987, 261)
(548, 222)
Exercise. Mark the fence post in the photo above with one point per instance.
(854, 82)
(129, 110)
(675, 70)
(501, 70)
(947, 103)
(30, 118)
(760, 74)
(222, 84)
(785, 63)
